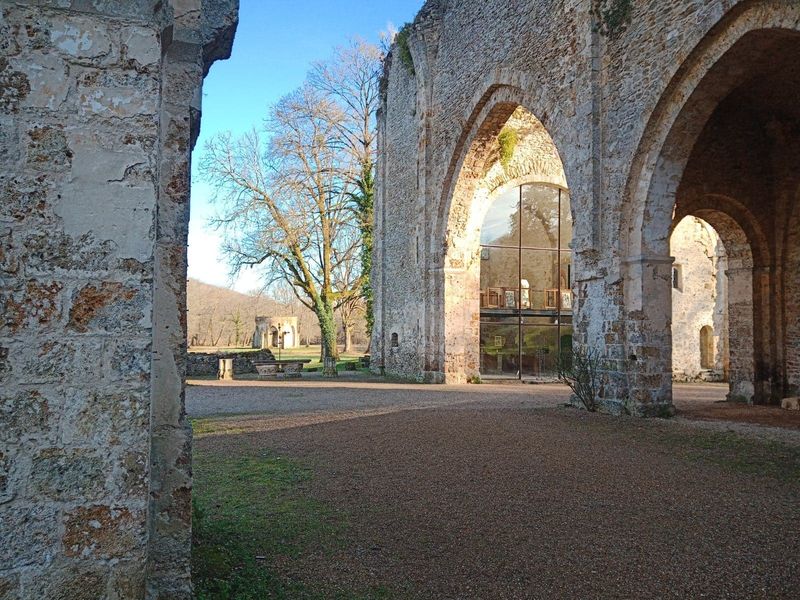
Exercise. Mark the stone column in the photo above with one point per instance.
(648, 295)
(740, 334)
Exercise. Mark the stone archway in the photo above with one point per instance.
(740, 271)
(475, 177)
(686, 161)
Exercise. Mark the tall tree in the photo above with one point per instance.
(286, 201)
(352, 80)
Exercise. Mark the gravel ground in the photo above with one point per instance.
(497, 491)
(311, 395)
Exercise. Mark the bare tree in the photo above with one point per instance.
(285, 201)
(235, 319)
(352, 80)
(349, 313)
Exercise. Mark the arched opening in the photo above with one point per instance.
(699, 302)
(707, 347)
(507, 286)
(275, 338)
(726, 155)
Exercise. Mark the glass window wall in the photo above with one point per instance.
(526, 271)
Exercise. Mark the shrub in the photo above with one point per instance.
(579, 370)
(508, 143)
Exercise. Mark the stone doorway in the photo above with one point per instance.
(712, 302)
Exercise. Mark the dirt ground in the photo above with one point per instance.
(496, 491)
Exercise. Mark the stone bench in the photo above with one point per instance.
(290, 369)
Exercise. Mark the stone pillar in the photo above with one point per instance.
(201, 33)
(740, 334)
(648, 331)
(225, 371)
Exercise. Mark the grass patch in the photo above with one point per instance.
(741, 454)
(205, 427)
(726, 449)
(252, 514)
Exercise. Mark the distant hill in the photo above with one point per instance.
(220, 317)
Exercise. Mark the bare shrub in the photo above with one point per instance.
(579, 370)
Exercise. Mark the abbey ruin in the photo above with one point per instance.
(535, 158)
(547, 150)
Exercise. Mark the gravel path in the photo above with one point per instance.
(205, 398)
(493, 492)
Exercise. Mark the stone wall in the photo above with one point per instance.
(99, 109)
(699, 300)
(201, 364)
(628, 110)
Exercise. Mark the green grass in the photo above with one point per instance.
(252, 513)
(311, 353)
(726, 449)
(741, 454)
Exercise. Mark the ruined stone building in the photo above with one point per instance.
(99, 110)
(533, 140)
(699, 303)
(276, 332)
(535, 158)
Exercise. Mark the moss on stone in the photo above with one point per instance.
(508, 140)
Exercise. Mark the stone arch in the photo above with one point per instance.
(274, 337)
(680, 115)
(454, 250)
(745, 249)
(740, 47)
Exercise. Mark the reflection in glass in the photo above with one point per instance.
(499, 277)
(540, 351)
(499, 353)
(501, 226)
(566, 221)
(540, 216)
(540, 270)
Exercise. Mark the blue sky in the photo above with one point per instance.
(275, 45)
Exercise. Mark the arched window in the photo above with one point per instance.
(706, 347)
(526, 272)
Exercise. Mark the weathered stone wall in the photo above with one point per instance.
(201, 364)
(99, 108)
(699, 300)
(625, 108)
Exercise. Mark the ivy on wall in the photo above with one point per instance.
(403, 51)
(612, 16)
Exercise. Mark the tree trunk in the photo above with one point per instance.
(348, 337)
(327, 326)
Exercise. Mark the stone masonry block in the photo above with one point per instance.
(104, 532)
(67, 475)
(30, 535)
